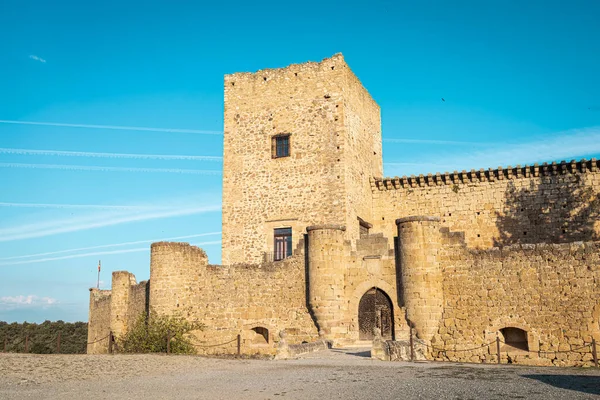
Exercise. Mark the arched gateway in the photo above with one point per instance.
(375, 310)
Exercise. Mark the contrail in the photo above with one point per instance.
(96, 253)
(111, 245)
(114, 127)
(43, 229)
(442, 142)
(81, 206)
(62, 153)
(110, 169)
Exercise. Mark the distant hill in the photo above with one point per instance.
(43, 338)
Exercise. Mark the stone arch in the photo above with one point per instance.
(509, 321)
(357, 294)
(375, 310)
(514, 339)
(261, 335)
(366, 285)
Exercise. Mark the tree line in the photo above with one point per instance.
(45, 338)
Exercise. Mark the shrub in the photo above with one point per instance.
(149, 335)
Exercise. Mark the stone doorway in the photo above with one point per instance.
(375, 311)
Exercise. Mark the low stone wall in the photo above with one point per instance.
(285, 350)
(398, 350)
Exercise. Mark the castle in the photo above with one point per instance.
(317, 242)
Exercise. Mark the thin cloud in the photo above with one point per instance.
(112, 245)
(59, 226)
(111, 169)
(112, 127)
(29, 301)
(565, 145)
(440, 142)
(62, 153)
(36, 58)
(77, 206)
(97, 253)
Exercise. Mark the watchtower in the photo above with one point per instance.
(300, 146)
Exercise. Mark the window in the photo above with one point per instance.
(281, 146)
(283, 243)
(363, 226)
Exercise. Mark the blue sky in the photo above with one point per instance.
(520, 82)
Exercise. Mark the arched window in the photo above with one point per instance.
(262, 335)
(514, 339)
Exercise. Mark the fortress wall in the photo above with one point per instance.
(340, 276)
(232, 300)
(361, 151)
(550, 291)
(99, 321)
(138, 301)
(554, 203)
(261, 193)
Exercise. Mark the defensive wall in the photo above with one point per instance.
(548, 203)
(255, 301)
(461, 298)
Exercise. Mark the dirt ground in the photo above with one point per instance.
(328, 374)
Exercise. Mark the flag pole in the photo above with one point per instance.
(98, 284)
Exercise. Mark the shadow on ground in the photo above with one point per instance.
(580, 383)
(363, 353)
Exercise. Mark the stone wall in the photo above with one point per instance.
(115, 310)
(550, 291)
(339, 276)
(335, 146)
(550, 203)
(99, 321)
(361, 152)
(231, 300)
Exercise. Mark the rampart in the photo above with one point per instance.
(550, 292)
(114, 311)
(549, 203)
(255, 301)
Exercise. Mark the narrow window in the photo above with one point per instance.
(280, 146)
(283, 243)
(363, 226)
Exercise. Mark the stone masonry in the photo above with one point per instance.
(459, 258)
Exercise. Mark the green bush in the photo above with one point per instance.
(149, 335)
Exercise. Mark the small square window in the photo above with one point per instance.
(281, 146)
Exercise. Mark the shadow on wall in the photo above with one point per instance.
(559, 212)
(579, 383)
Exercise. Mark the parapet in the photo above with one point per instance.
(417, 218)
(264, 75)
(179, 247)
(325, 226)
(455, 178)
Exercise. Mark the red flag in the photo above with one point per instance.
(98, 265)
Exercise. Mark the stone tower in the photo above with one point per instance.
(300, 144)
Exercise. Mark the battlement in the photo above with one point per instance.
(178, 246)
(464, 177)
(293, 70)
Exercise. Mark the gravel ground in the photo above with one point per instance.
(329, 374)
